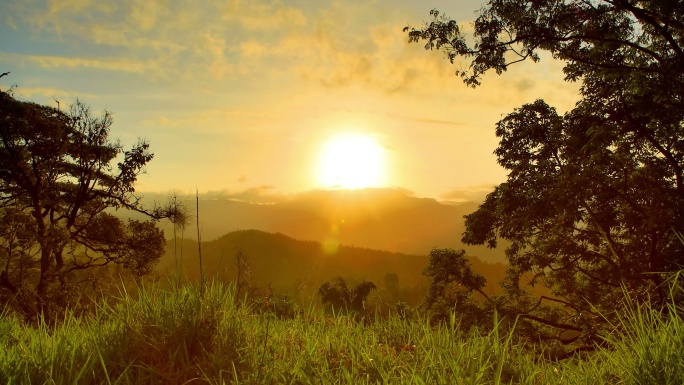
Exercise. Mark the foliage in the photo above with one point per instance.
(338, 295)
(592, 196)
(57, 183)
(179, 206)
(403, 310)
(649, 345)
(451, 287)
(244, 275)
(282, 305)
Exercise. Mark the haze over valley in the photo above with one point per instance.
(384, 219)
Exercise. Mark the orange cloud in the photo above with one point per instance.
(468, 194)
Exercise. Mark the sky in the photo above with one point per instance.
(241, 98)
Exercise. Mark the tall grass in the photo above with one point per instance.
(188, 335)
(650, 345)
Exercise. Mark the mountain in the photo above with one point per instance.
(384, 219)
(290, 264)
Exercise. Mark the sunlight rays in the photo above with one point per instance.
(352, 161)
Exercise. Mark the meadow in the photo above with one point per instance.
(194, 334)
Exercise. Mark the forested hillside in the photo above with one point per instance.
(293, 265)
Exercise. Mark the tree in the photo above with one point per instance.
(179, 206)
(592, 196)
(451, 286)
(340, 296)
(243, 275)
(57, 183)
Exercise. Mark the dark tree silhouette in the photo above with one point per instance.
(57, 179)
(339, 296)
(594, 198)
(243, 275)
(452, 284)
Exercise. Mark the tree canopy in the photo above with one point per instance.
(594, 198)
(452, 283)
(338, 295)
(57, 182)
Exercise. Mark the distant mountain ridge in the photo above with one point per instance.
(289, 264)
(382, 219)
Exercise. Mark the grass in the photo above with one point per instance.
(189, 335)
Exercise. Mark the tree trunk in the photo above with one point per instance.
(45, 253)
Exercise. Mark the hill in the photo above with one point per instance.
(383, 219)
(302, 266)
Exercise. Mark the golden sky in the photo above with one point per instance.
(241, 97)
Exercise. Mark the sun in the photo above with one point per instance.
(352, 161)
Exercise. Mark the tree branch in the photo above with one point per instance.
(644, 16)
(556, 325)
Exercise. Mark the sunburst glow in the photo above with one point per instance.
(352, 161)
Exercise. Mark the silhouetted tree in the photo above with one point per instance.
(592, 196)
(57, 182)
(339, 296)
(451, 287)
(244, 275)
(180, 221)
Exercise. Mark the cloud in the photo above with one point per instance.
(33, 92)
(213, 48)
(55, 7)
(437, 121)
(376, 57)
(199, 42)
(200, 118)
(468, 194)
(162, 40)
(267, 194)
(252, 48)
(260, 16)
(9, 21)
(331, 45)
(264, 194)
(145, 13)
(113, 64)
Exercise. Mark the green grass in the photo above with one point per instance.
(188, 335)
